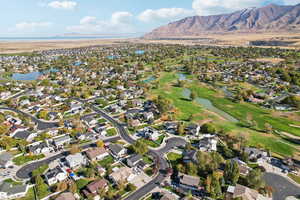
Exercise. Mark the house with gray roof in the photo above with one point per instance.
(10, 191)
(25, 135)
(117, 150)
(62, 140)
(76, 160)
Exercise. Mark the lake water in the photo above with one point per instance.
(207, 104)
(149, 79)
(181, 77)
(139, 52)
(31, 76)
(112, 57)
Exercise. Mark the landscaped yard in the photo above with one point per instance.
(111, 132)
(155, 143)
(295, 178)
(106, 162)
(174, 156)
(147, 159)
(81, 183)
(20, 160)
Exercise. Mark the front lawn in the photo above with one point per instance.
(29, 196)
(173, 156)
(111, 132)
(155, 143)
(106, 162)
(81, 183)
(20, 160)
(147, 160)
(295, 178)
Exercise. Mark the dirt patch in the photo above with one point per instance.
(269, 60)
(290, 115)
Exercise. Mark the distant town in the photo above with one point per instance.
(150, 121)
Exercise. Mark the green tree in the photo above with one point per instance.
(140, 147)
(208, 128)
(193, 96)
(254, 179)
(231, 172)
(215, 187)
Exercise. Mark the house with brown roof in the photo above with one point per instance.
(189, 182)
(96, 153)
(122, 174)
(93, 188)
(243, 193)
(66, 196)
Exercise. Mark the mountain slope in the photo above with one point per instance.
(269, 18)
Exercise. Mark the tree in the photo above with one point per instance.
(208, 128)
(73, 187)
(180, 129)
(268, 128)
(191, 169)
(231, 172)
(130, 187)
(75, 149)
(193, 96)
(62, 186)
(215, 187)
(254, 179)
(100, 143)
(140, 147)
(41, 187)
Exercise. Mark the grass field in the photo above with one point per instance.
(20, 160)
(185, 108)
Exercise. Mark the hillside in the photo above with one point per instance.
(265, 19)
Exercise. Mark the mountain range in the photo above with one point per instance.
(269, 18)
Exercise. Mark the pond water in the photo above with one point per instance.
(207, 104)
(149, 79)
(112, 57)
(31, 76)
(77, 63)
(181, 77)
(26, 77)
(139, 52)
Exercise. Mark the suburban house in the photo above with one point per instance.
(117, 150)
(190, 156)
(96, 153)
(189, 182)
(10, 191)
(25, 135)
(149, 133)
(5, 160)
(208, 143)
(122, 174)
(90, 121)
(62, 140)
(243, 167)
(171, 127)
(244, 193)
(93, 188)
(193, 129)
(76, 160)
(256, 154)
(66, 196)
(55, 175)
(39, 148)
(134, 160)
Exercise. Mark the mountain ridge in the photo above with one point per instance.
(265, 19)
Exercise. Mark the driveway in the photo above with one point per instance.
(281, 186)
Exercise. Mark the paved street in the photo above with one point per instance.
(25, 171)
(282, 187)
(41, 125)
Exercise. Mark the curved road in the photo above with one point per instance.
(157, 154)
(41, 125)
(25, 171)
(281, 186)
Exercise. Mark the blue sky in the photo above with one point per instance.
(56, 17)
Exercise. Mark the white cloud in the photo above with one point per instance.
(63, 4)
(164, 14)
(120, 22)
(88, 20)
(291, 2)
(212, 7)
(31, 26)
